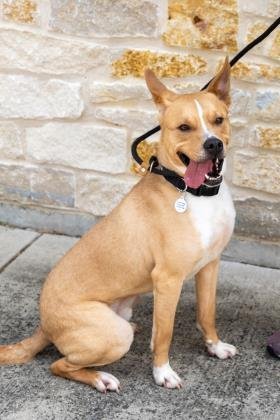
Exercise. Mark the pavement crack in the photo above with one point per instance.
(24, 248)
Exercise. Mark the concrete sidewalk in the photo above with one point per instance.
(246, 387)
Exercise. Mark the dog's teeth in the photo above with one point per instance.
(207, 176)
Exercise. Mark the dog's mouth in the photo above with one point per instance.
(207, 172)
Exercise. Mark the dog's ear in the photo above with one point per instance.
(220, 85)
(162, 96)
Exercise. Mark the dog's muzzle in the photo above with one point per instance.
(213, 146)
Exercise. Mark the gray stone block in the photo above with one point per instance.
(258, 218)
(46, 219)
(250, 251)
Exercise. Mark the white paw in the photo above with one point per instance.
(165, 376)
(106, 382)
(221, 350)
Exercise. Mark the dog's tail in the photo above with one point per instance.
(25, 350)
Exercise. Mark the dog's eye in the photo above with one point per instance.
(219, 120)
(184, 127)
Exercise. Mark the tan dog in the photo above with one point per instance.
(144, 245)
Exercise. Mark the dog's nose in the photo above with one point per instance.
(213, 146)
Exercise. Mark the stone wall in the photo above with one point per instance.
(72, 98)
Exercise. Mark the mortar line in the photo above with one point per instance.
(14, 257)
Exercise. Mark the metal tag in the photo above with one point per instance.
(181, 204)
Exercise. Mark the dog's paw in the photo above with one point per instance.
(106, 382)
(165, 376)
(221, 350)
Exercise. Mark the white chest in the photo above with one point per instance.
(213, 219)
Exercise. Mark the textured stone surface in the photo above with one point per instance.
(99, 194)
(184, 87)
(28, 97)
(117, 91)
(247, 312)
(267, 104)
(34, 184)
(134, 62)
(259, 218)
(203, 24)
(254, 30)
(14, 241)
(275, 49)
(79, 145)
(254, 72)
(10, 141)
(51, 220)
(239, 134)
(14, 182)
(106, 17)
(133, 118)
(268, 137)
(240, 101)
(53, 187)
(258, 171)
(20, 11)
(266, 8)
(44, 54)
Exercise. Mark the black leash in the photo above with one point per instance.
(232, 62)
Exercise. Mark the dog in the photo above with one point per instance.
(148, 243)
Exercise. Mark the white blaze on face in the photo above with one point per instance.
(207, 133)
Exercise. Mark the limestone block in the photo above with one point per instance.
(240, 102)
(20, 11)
(28, 97)
(52, 187)
(10, 141)
(266, 137)
(254, 30)
(266, 8)
(117, 91)
(255, 72)
(134, 62)
(44, 54)
(258, 171)
(133, 118)
(267, 104)
(275, 49)
(14, 182)
(79, 145)
(100, 194)
(106, 18)
(203, 24)
(184, 87)
(239, 134)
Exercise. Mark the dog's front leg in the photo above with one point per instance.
(206, 284)
(167, 289)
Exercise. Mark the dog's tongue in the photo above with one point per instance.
(195, 173)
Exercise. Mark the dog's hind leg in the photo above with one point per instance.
(102, 381)
(206, 284)
(95, 336)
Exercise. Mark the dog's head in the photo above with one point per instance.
(195, 127)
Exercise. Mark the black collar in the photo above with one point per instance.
(179, 183)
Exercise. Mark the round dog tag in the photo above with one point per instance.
(181, 205)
